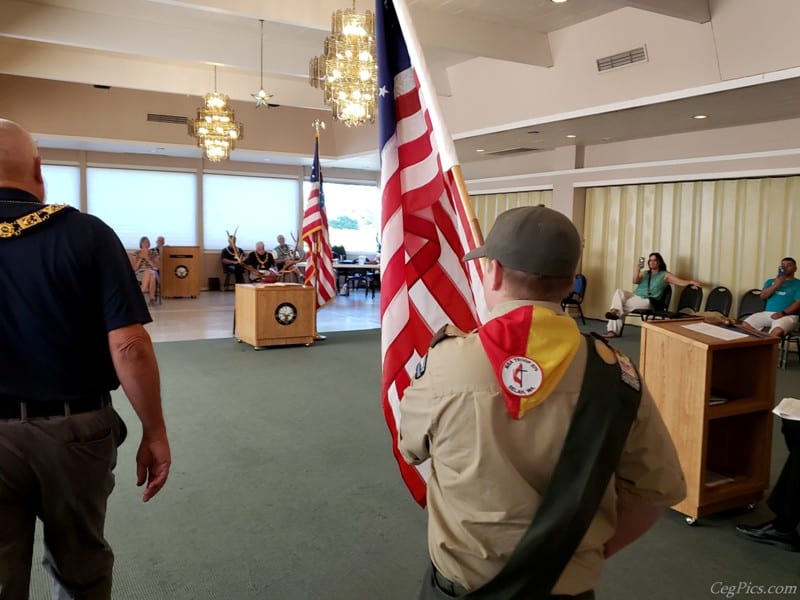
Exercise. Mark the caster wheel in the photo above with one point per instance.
(691, 520)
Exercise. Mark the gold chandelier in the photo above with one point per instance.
(347, 70)
(215, 127)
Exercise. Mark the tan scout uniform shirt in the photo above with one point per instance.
(488, 472)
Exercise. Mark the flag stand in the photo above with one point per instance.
(315, 245)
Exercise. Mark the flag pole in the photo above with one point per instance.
(317, 125)
(447, 150)
(469, 210)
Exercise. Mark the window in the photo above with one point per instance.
(260, 207)
(62, 185)
(354, 216)
(152, 203)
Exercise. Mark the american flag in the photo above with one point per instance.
(425, 230)
(319, 264)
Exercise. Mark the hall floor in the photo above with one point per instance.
(210, 316)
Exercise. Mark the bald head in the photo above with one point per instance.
(20, 165)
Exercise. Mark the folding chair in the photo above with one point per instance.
(688, 304)
(576, 296)
(750, 303)
(719, 300)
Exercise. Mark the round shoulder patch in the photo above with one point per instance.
(605, 352)
(522, 376)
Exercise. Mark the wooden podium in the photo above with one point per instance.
(716, 396)
(180, 272)
(274, 314)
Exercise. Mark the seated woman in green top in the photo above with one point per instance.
(651, 283)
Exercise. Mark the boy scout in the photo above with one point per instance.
(491, 409)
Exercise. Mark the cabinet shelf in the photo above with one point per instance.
(739, 406)
(724, 449)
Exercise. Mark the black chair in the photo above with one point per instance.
(788, 338)
(658, 306)
(751, 303)
(688, 304)
(576, 296)
(719, 300)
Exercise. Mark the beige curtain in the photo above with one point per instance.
(732, 233)
(488, 206)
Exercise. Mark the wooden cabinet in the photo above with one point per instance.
(180, 272)
(275, 314)
(724, 447)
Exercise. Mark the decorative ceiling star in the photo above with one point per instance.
(383, 91)
(261, 98)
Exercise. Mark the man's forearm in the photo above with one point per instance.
(137, 370)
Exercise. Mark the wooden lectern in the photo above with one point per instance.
(716, 396)
(180, 272)
(274, 314)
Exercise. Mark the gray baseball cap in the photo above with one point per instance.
(533, 239)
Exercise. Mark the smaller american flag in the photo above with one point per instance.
(319, 264)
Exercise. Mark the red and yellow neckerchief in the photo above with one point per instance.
(530, 349)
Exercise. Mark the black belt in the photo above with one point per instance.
(14, 408)
(456, 589)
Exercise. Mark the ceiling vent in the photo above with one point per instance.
(623, 58)
(510, 151)
(174, 119)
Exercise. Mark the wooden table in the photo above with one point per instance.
(345, 269)
(724, 448)
(274, 314)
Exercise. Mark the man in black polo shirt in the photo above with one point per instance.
(71, 330)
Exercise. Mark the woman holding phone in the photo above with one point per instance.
(651, 280)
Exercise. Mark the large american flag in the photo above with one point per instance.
(425, 230)
(319, 263)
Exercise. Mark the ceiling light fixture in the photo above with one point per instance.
(699, 116)
(480, 150)
(558, 1)
(215, 127)
(347, 70)
(571, 136)
(261, 97)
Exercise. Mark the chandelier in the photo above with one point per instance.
(215, 127)
(261, 96)
(347, 71)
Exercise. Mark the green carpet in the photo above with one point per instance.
(283, 486)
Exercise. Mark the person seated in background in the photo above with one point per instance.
(159, 253)
(285, 261)
(651, 282)
(232, 258)
(261, 265)
(145, 263)
(782, 294)
(160, 249)
(784, 500)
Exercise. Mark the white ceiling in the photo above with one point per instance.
(190, 35)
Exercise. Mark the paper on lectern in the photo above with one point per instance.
(788, 408)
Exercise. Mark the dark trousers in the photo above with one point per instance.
(58, 469)
(785, 497)
(455, 590)
(237, 270)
